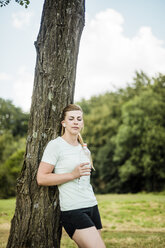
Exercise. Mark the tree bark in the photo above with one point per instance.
(36, 222)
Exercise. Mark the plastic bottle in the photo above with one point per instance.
(84, 181)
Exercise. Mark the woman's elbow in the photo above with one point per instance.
(39, 180)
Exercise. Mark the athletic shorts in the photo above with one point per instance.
(80, 219)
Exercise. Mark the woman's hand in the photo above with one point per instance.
(81, 170)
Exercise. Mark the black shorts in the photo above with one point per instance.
(80, 218)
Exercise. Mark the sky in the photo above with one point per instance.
(119, 38)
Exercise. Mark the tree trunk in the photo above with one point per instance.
(36, 222)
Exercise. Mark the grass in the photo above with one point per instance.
(7, 207)
(130, 220)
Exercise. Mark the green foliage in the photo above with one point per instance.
(4, 2)
(140, 142)
(9, 172)
(125, 131)
(9, 144)
(11, 159)
(13, 127)
(12, 118)
(102, 118)
(20, 2)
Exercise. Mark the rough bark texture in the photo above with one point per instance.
(36, 222)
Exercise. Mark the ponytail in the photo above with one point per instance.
(80, 139)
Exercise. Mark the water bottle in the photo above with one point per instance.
(84, 181)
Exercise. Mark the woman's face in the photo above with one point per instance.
(73, 122)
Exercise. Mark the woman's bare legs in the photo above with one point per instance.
(99, 230)
(88, 238)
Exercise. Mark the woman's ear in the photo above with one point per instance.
(63, 124)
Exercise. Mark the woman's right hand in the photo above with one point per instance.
(81, 170)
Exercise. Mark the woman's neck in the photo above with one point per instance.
(71, 139)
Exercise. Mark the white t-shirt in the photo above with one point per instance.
(77, 193)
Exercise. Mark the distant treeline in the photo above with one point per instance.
(125, 131)
(13, 129)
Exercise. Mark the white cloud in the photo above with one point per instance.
(4, 76)
(21, 19)
(22, 89)
(108, 57)
(17, 87)
(6, 81)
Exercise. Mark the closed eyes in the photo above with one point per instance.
(77, 119)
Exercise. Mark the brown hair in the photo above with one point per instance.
(71, 107)
(74, 107)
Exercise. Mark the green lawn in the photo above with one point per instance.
(130, 220)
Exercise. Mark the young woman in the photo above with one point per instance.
(66, 163)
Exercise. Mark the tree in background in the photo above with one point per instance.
(102, 119)
(9, 172)
(12, 118)
(21, 2)
(125, 131)
(13, 129)
(36, 222)
(140, 140)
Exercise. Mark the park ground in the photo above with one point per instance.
(129, 220)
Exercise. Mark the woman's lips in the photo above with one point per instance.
(75, 127)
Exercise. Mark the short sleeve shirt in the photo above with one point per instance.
(77, 193)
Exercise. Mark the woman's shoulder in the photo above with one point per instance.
(54, 143)
(56, 140)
